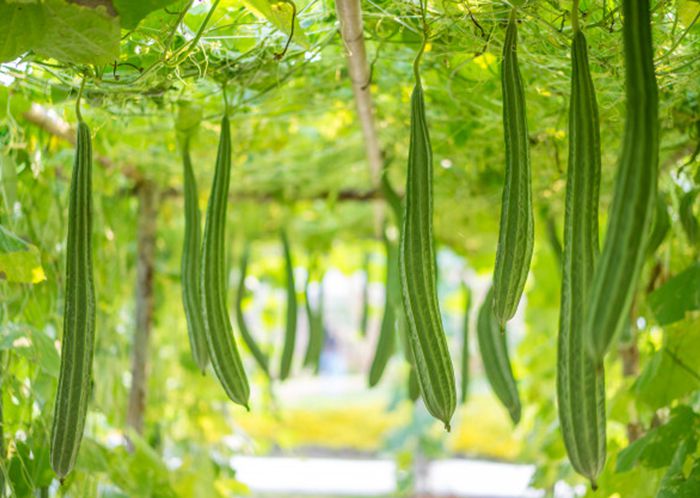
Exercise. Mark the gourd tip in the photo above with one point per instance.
(594, 485)
(447, 427)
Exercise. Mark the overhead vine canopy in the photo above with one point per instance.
(284, 70)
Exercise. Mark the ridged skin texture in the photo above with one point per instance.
(516, 234)
(417, 265)
(634, 198)
(77, 346)
(290, 335)
(464, 384)
(494, 356)
(386, 343)
(219, 333)
(580, 385)
(260, 358)
(191, 296)
(316, 332)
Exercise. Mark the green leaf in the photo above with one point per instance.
(19, 261)
(628, 458)
(80, 35)
(132, 11)
(64, 31)
(33, 344)
(680, 294)
(21, 27)
(672, 371)
(675, 484)
(279, 13)
(657, 448)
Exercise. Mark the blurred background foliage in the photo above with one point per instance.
(151, 68)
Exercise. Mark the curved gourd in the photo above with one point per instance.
(464, 384)
(219, 333)
(190, 264)
(316, 332)
(260, 358)
(291, 323)
(494, 356)
(516, 232)
(386, 343)
(417, 265)
(580, 385)
(634, 197)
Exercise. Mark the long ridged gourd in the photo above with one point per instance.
(516, 232)
(290, 333)
(386, 342)
(260, 358)
(189, 267)
(634, 197)
(494, 356)
(220, 341)
(580, 385)
(77, 345)
(312, 358)
(417, 265)
(464, 381)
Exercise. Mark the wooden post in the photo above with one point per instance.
(145, 269)
(350, 16)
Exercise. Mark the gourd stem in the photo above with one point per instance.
(223, 89)
(416, 61)
(574, 16)
(77, 101)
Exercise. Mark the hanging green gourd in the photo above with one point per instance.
(312, 358)
(516, 232)
(78, 340)
(190, 264)
(494, 356)
(291, 319)
(222, 346)
(464, 384)
(634, 198)
(260, 357)
(417, 265)
(386, 342)
(580, 385)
